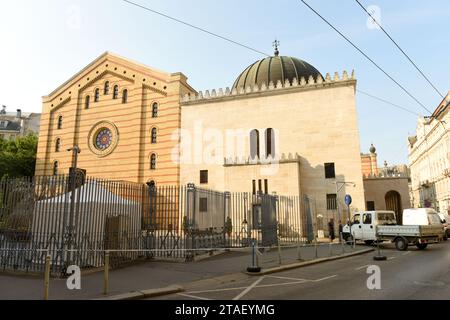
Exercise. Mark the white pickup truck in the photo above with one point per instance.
(382, 226)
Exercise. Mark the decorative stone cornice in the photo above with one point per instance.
(248, 161)
(271, 88)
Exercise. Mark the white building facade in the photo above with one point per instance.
(429, 153)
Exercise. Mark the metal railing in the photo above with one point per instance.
(45, 216)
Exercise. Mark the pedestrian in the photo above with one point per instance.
(341, 230)
(331, 230)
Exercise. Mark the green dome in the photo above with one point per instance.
(274, 69)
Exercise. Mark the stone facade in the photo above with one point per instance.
(315, 122)
(429, 160)
(14, 124)
(71, 113)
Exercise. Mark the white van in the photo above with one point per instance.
(420, 217)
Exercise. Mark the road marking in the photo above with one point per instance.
(327, 278)
(287, 278)
(193, 297)
(406, 253)
(281, 284)
(392, 258)
(217, 290)
(363, 267)
(250, 288)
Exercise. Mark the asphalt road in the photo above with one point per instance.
(405, 275)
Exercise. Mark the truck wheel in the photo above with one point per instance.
(422, 246)
(401, 244)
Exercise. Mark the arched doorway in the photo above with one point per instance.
(394, 203)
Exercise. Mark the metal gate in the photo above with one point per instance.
(269, 223)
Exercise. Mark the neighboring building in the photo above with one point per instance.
(293, 131)
(385, 188)
(122, 115)
(14, 124)
(429, 160)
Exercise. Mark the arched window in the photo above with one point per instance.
(153, 162)
(87, 102)
(106, 91)
(154, 135)
(55, 168)
(58, 145)
(254, 144)
(155, 110)
(125, 96)
(270, 143)
(60, 122)
(97, 95)
(116, 92)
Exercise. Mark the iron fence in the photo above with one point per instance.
(76, 223)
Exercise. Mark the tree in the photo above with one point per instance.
(18, 157)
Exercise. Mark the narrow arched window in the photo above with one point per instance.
(254, 144)
(116, 92)
(155, 110)
(270, 143)
(154, 135)
(87, 102)
(60, 122)
(106, 91)
(125, 96)
(97, 95)
(153, 162)
(58, 145)
(55, 168)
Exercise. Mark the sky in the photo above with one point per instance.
(44, 43)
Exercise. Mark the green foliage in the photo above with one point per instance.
(18, 157)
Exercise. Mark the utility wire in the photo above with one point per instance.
(195, 27)
(401, 50)
(388, 102)
(367, 57)
(252, 49)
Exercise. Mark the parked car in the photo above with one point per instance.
(371, 226)
(445, 219)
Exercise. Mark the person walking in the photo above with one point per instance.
(331, 230)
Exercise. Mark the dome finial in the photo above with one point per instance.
(276, 44)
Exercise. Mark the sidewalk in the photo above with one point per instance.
(154, 274)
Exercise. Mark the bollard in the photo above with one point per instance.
(106, 275)
(315, 247)
(299, 254)
(47, 276)
(331, 249)
(379, 256)
(254, 268)
(342, 244)
(279, 253)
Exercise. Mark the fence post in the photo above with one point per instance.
(331, 249)
(47, 276)
(279, 253)
(342, 243)
(315, 248)
(106, 275)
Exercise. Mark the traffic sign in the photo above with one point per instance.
(348, 200)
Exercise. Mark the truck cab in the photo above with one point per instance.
(363, 225)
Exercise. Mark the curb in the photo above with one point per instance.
(144, 294)
(307, 263)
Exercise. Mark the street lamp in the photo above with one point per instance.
(72, 178)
